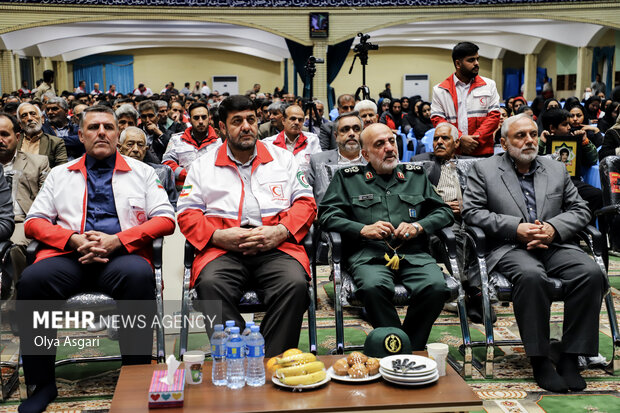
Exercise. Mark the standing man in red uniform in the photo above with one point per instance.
(468, 101)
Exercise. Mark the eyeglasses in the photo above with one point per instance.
(347, 128)
(348, 108)
(147, 115)
(197, 117)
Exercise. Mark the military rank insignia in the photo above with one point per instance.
(369, 175)
(351, 171)
(392, 344)
(412, 213)
(415, 168)
(400, 175)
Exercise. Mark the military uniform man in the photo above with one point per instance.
(383, 209)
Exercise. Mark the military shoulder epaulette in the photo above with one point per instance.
(351, 171)
(415, 168)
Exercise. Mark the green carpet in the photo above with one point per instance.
(593, 403)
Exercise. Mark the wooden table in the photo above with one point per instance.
(449, 394)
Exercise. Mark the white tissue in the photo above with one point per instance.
(173, 364)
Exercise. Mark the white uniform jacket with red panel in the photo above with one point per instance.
(482, 110)
(213, 194)
(59, 210)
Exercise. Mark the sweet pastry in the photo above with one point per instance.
(372, 364)
(358, 371)
(356, 357)
(341, 367)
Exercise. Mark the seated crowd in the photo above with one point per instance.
(98, 176)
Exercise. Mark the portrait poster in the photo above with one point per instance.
(566, 149)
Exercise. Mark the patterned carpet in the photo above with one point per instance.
(89, 387)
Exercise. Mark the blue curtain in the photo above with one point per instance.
(88, 69)
(300, 54)
(336, 56)
(105, 70)
(513, 79)
(119, 72)
(599, 54)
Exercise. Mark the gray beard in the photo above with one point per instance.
(33, 130)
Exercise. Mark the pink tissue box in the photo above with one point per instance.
(162, 395)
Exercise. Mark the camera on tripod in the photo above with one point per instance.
(364, 45)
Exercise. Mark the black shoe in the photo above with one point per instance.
(38, 401)
(568, 368)
(546, 376)
(473, 304)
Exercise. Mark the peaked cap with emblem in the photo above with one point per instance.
(387, 341)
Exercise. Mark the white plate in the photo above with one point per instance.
(386, 364)
(413, 375)
(421, 383)
(347, 378)
(277, 382)
(407, 379)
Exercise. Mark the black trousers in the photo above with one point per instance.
(584, 285)
(124, 278)
(280, 282)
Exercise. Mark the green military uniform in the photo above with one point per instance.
(358, 196)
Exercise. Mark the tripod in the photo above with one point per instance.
(361, 51)
(309, 104)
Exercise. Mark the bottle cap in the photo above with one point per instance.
(255, 329)
(230, 323)
(218, 327)
(234, 330)
(249, 324)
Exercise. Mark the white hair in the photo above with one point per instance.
(123, 136)
(365, 105)
(21, 105)
(512, 120)
(454, 132)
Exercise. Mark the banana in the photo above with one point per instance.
(311, 378)
(300, 370)
(296, 359)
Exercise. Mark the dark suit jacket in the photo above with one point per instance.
(33, 170)
(327, 136)
(433, 169)
(51, 146)
(493, 201)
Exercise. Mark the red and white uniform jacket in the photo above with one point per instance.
(482, 110)
(307, 144)
(213, 194)
(59, 210)
(182, 150)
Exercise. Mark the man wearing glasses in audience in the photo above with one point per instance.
(349, 128)
(156, 138)
(327, 136)
(185, 147)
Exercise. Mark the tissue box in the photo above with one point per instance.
(162, 395)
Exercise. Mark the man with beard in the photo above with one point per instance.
(468, 101)
(383, 210)
(27, 173)
(301, 144)
(348, 130)
(132, 143)
(34, 141)
(531, 211)
(59, 125)
(186, 147)
(246, 207)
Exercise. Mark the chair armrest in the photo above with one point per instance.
(4, 247)
(608, 210)
(478, 238)
(158, 247)
(447, 237)
(31, 251)
(593, 237)
(334, 240)
(308, 242)
(188, 257)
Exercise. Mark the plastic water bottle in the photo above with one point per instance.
(235, 354)
(245, 334)
(255, 343)
(229, 325)
(218, 353)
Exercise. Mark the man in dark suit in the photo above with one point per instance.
(349, 128)
(530, 210)
(327, 136)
